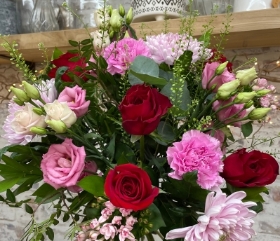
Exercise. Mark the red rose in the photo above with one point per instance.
(250, 169)
(217, 56)
(142, 108)
(130, 187)
(63, 60)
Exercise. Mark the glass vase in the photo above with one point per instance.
(43, 17)
(217, 6)
(24, 9)
(64, 17)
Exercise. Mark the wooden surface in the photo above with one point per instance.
(250, 29)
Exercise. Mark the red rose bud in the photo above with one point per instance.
(128, 186)
(64, 60)
(250, 169)
(142, 108)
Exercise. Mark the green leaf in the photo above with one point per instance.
(165, 130)
(8, 183)
(86, 41)
(93, 184)
(160, 82)
(50, 233)
(59, 72)
(155, 218)
(73, 43)
(206, 37)
(145, 65)
(66, 217)
(247, 129)
(43, 190)
(56, 53)
(10, 196)
(74, 59)
(28, 209)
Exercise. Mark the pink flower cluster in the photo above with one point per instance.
(268, 100)
(197, 152)
(109, 225)
(119, 55)
(166, 48)
(226, 217)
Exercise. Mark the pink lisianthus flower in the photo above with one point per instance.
(227, 114)
(76, 100)
(48, 90)
(197, 152)
(209, 72)
(119, 55)
(90, 168)
(224, 216)
(166, 48)
(63, 164)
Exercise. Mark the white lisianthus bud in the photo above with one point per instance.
(101, 18)
(261, 93)
(129, 16)
(31, 90)
(101, 39)
(20, 94)
(258, 113)
(221, 68)
(116, 20)
(225, 90)
(244, 97)
(38, 130)
(57, 125)
(246, 76)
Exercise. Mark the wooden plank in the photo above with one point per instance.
(250, 29)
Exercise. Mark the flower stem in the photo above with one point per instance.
(160, 235)
(142, 149)
(150, 237)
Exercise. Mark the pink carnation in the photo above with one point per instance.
(166, 48)
(197, 152)
(224, 216)
(119, 55)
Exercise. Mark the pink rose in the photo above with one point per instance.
(63, 164)
(76, 99)
(228, 113)
(197, 152)
(209, 72)
(90, 168)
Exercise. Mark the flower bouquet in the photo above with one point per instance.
(129, 138)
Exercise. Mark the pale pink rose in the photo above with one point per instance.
(76, 100)
(85, 228)
(261, 82)
(125, 212)
(94, 223)
(265, 101)
(60, 111)
(19, 121)
(197, 152)
(228, 114)
(124, 233)
(223, 216)
(25, 118)
(102, 219)
(209, 72)
(130, 221)
(108, 230)
(90, 168)
(109, 205)
(63, 164)
(117, 220)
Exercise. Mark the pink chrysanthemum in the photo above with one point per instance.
(119, 55)
(226, 217)
(11, 135)
(197, 152)
(166, 48)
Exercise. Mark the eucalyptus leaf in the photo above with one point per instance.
(93, 184)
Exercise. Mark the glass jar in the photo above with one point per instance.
(85, 10)
(8, 17)
(64, 18)
(24, 9)
(217, 6)
(43, 17)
